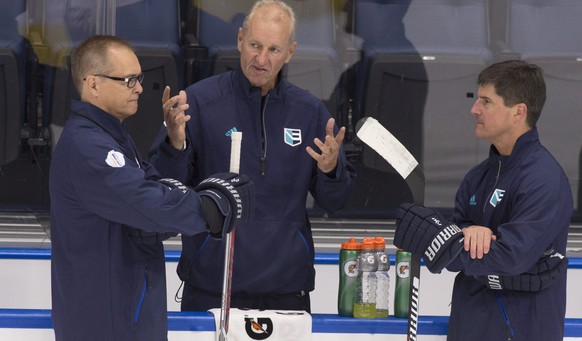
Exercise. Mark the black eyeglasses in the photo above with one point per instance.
(130, 81)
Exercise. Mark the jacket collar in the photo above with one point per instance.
(252, 92)
(524, 144)
(105, 120)
(112, 125)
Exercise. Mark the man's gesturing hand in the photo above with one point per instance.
(330, 148)
(175, 117)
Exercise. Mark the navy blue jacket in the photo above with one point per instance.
(525, 198)
(274, 253)
(107, 285)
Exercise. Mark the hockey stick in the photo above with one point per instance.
(375, 136)
(235, 145)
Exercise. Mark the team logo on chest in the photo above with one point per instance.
(292, 136)
(496, 197)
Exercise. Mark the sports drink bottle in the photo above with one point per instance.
(402, 290)
(383, 278)
(348, 270)
(365, 300)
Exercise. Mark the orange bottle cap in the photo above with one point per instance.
(352, 244)
(379, 243)
(368, 243)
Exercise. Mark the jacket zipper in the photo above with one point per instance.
(263, 160)
(508, 330)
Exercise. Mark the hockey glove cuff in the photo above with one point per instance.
(422, 231)
(227, 199)
(174, 184)
(543, 274)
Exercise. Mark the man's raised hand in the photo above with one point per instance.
(330, 148)
(175, 117)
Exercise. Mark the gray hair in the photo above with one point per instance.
(281, 6)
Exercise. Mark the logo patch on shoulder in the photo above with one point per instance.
(115, 159)
(292, 136)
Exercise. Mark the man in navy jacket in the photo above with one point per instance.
(274, 256)
(520, 197)
(109, 215)
(514, 210)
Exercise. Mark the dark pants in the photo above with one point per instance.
(197, 300)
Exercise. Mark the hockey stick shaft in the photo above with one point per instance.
(416, 183)
(373, 134)
(235, 146)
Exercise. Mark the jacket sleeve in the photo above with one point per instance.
(169, 161)
(460, 217)
(114, 187)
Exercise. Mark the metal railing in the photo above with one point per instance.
(32, 230)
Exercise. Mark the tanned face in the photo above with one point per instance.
(265, 47)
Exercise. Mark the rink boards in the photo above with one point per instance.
(25, 303)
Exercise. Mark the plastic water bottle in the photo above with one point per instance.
(402, 290)
(365, 300)
(383, 278)
(348, 271)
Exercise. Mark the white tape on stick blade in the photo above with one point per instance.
(384, 143)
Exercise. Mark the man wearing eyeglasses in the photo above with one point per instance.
(110, 211)
(120, 104)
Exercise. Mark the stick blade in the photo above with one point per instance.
(373, 134)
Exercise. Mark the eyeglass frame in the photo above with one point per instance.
(139, 78)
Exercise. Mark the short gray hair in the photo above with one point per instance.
(282, 6)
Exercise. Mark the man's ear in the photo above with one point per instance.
(521, 111)
(291, 51)
(239, 39)
(91, 85)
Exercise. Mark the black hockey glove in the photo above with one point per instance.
(422, 231)
(227, 199)
(543, 274)
(140, 236)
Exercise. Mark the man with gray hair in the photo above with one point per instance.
(291, 147)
